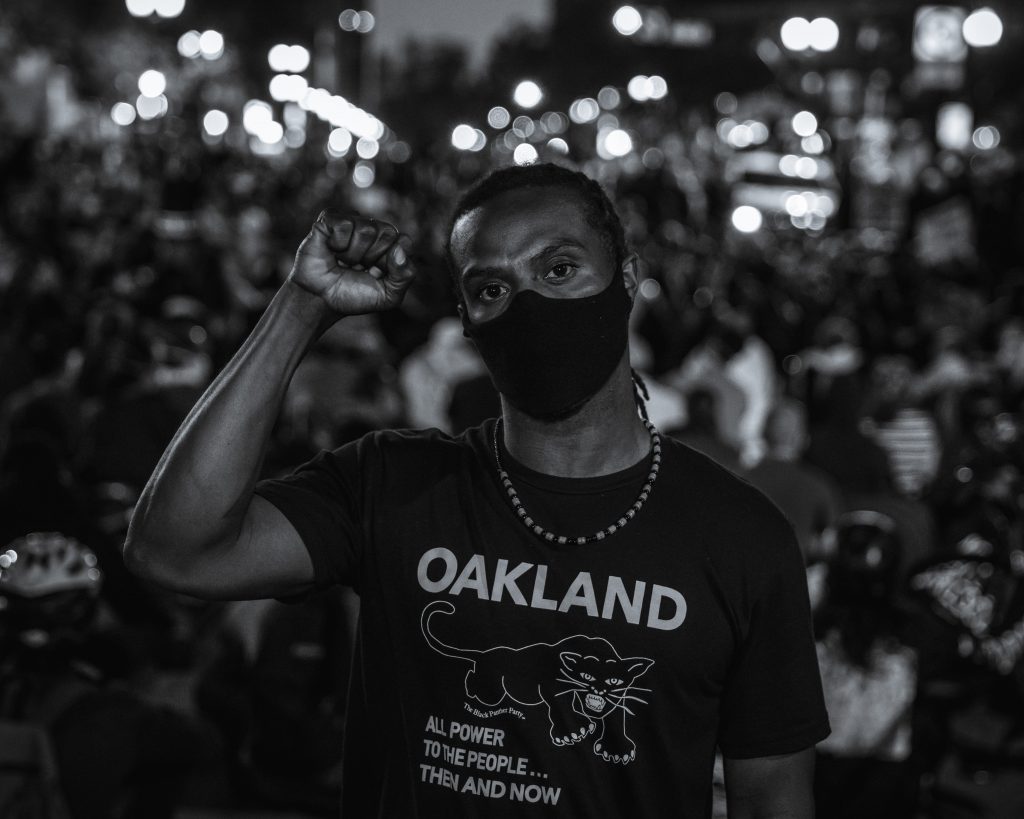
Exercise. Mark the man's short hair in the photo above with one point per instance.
(599, 210)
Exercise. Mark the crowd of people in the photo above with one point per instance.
(874, 396)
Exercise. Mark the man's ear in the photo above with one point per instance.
(631, 274)
(462, 316)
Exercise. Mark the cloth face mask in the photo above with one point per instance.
(548, 356)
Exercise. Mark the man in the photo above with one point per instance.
(562, 614)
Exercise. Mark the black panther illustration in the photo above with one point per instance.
(583, 681)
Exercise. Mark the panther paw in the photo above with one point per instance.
(578, 735)
(619, 756)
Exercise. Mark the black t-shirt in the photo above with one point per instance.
(500, 675)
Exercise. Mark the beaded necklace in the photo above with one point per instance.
(551, 537)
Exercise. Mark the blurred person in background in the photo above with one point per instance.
(1009, 361)
(345, 386)
(736, 354)
(430, 374)
(806, 495)
(971, 651)
(276, 686)
(474, 400)
(899, 422)
(584, 694)
(869, 667)
(118, 755)
(703, 428)
(840, 448)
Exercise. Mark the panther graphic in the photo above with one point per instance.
(584, 682)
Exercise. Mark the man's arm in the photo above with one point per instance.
(771, 787)
(198, 528)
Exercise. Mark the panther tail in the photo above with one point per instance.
(432, 608)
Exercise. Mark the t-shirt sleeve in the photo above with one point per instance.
(773, 702)
(323, 500)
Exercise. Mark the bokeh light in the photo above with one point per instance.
(294, 116)
(523, 127)
(339, 142)
(801, 34)
(796, 34)
(650, 289)
(806, 168)
(255, 114)
(609, 98)
(797, 205)
(169, 8)
(812, 144)
(123, 113)
(639, 88)
(152, 83)
(985, 137)
(954, 126)
(527, 94)
(188, 44)
(367, 148)
(288, 87)
(348, 20)
(657, 88)
(270, 132)
(399, 151)
(823, 34)
(140, 8)
(726, 103)
(584, 110)
(554, 122)
(362, 22)
(747, 219)
(463, 137)
(498, 117)
(524, 154)
(366, 22)
(279, 58)
(215, 122)
(627, 20)
(787, 164)
(363, 175)
(558, 145)
(983, 28)
(617, 142)
(151, 107)
(211, 44)
(741, 136)
(804, 123)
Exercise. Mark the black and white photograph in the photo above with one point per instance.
(471, 409)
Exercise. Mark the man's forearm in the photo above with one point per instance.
(201, 488)
(779, 787)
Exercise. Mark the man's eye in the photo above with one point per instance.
(562, 270)
(491, 292)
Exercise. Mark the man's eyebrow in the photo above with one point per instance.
(478, 273)
(557, 244)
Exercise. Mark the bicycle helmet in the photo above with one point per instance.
(49, 584)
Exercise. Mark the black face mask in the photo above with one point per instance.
(549, 356)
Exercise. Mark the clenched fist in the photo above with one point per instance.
(354, 263)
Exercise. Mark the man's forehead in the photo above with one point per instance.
(523, 214)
